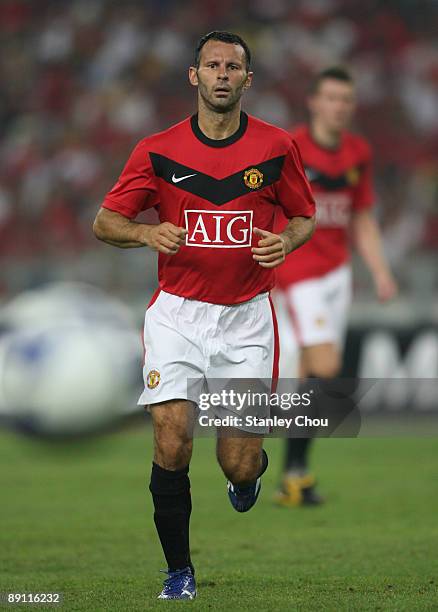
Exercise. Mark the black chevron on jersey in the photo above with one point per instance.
(216, 191)
(331, 183)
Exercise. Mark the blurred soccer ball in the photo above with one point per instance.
(69, 361)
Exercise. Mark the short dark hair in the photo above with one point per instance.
(226, 37)
(338, 73)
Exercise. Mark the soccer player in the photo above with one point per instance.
(315, 282)
(216, 180)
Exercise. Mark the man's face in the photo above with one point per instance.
(222, 75)
(333, 104)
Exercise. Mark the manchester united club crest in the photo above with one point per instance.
(153, 379)
(253, 178)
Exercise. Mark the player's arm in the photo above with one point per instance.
(366, 233)
(368, 241)
(135, 191)
(117, 230)
(297, 232)
(272, 249)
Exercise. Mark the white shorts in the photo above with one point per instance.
(313, 311)
(187, 339)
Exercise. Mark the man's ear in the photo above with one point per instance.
(248, 80)
(193, 76)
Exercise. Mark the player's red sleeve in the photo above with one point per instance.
(293, 191)
(136, 188)
(363, 196)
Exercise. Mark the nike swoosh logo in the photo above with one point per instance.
(181, 178)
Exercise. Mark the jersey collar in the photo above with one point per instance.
(334, 149)
(224, 142)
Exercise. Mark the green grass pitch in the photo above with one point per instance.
(77, 518)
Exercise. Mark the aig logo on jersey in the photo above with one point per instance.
(228, 229)
(253, 178)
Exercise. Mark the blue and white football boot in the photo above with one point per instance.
(243, 498)
(179, 585)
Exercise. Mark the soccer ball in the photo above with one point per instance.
(69, 361)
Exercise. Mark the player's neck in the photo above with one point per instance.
(324, 137)
(218, 126)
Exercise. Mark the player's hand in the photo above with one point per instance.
(165, 238)
(271, 250)
(385, 286)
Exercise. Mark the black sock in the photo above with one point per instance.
(297, 453)
(173, 505)
(297, 449)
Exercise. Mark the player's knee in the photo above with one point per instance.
(331, 369)
(321, 361)
(241, 467)
(173, 454)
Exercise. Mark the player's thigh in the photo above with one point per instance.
(339, 292)
(310, 312)
(244, 364)
(248, 347)
(324, 359)
(172, 357)
(314, 304)
(173, 423)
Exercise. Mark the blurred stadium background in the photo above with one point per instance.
(82, 81)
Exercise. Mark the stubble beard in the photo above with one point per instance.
(216, 106)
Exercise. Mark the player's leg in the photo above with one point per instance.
(171, 358)
(323, 360)
(312, 325)
(243, 461)
(246, 359)
(318, 361)
(170, 488)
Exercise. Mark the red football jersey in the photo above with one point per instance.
(341, 182)
(219, 190)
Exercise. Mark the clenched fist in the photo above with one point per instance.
(165, 238)
(271, 250)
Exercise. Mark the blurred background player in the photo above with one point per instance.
(315, 282)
